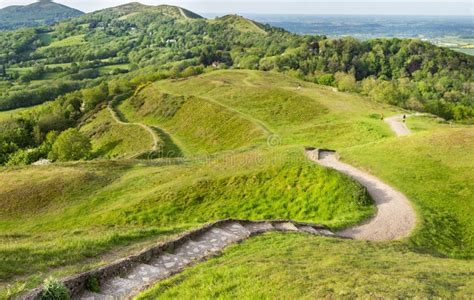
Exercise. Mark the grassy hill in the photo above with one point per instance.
(240, 24)
(242, 135)
(201, 126)
(43, 12)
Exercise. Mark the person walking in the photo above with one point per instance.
(404, 118)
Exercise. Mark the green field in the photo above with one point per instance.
(11, 114)
(69, 41)
(420, 166)
(242, 134)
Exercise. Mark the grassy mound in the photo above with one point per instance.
(199, 125)
(309, 114)
(434, 169)
(298, 266)
(240, 24)
(109, 204)
(112, 140)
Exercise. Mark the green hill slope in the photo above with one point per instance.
(43, 12)
(241, 24)
(112, 140)
(74, 213)
(308, 115)
(201, 126)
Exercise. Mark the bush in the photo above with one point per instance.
(71, 145)
(327, 79)
(54, 290)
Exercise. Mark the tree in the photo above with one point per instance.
(71, 145)
(346, 82)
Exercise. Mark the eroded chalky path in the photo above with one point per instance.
(210, 242)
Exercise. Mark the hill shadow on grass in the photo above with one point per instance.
(169, 148)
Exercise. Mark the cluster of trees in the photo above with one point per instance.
(49, 131)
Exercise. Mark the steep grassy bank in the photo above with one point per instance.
(201, 126)
(112, 140)
(298, 266)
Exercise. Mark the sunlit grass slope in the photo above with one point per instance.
(435, 170)
(296, 111)
(298, 266)
(198, 124)
(63, 215)
(112, 140)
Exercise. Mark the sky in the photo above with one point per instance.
(346, 7)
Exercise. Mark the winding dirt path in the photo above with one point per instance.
(156, 139)
(397, 125)
(395, 217)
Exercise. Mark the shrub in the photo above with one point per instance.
(54, 290)
(327, 79)
(71, 145)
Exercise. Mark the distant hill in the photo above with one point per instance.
(136, 9)
(43, 12)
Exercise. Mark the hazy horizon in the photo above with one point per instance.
(302, 7)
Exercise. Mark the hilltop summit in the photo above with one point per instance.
(43, 12)
(136, 7)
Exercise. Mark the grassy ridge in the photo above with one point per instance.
(298, 266)
(307, 115)
(200, 125)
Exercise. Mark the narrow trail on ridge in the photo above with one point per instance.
(156, 139)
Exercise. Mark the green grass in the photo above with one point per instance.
(69, 41)
(107, 69)
(11, 114)
(59, 216)
(198, 125)
(310, 115)
(434, 169)
(298, 266)
(239, 23)
(112, 140)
